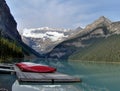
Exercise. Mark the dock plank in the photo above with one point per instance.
(2, 70)
(6, 66)
(44, 77)
(59, 77)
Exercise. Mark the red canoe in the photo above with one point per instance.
(32, 67)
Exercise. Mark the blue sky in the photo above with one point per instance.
(62, 13)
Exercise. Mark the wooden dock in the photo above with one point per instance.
(7, 66)
(37, 77)
(6, 69)
(44, 77)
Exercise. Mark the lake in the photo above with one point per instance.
(94, 76)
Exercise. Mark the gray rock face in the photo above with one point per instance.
(115, 27)
(98, 28)
(7, 23)
(91, 34)
(8, 29)
(102, 21)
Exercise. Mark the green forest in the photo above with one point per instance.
(9, 50)
(106, 49)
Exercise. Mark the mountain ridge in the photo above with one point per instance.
(105, 50)
(100, 28)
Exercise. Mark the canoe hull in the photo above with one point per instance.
(36, 68)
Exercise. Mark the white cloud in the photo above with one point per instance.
(51, 13)
(60, 13)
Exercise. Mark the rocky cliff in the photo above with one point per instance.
(8, 29)
(8, 25)
(115, 27)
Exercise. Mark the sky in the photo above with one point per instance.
(68, 14)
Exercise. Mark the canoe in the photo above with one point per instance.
(38, 68)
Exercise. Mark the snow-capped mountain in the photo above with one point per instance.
(45, 39)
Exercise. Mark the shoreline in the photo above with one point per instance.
(101, 62)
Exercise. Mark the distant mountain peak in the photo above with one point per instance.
(103, 19)
(79, 28)
(99, 22)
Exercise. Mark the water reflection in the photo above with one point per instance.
(82, 87)
(88, 87)
(17, 87)
(6, 82)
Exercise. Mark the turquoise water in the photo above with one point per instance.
(94, 76)
(6, 82)
(98, 76)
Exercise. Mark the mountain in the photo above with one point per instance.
(107, 49)
(8, 31)
(81, 44)
(7, 23)
(44, 39)
(100, 29)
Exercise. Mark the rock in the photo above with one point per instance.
(8, 29)
(7, 23)
(114, 27)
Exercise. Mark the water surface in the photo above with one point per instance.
(95, 77)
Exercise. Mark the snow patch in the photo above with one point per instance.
(53, 35)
